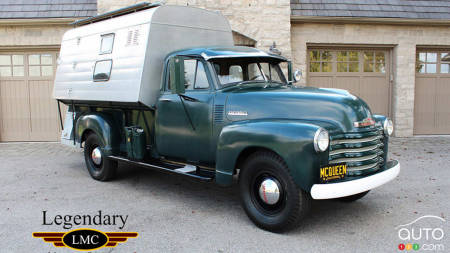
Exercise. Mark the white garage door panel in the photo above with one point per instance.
(43, 111)
(15, 113)
(27, 110)
(321, 81)
(443, 102)
(372, 93)
(350, 83)
(432, 92)
(424, 113)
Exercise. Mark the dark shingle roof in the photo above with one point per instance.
(47, 8)
(410, 9)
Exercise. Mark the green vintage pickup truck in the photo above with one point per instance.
(215, 113)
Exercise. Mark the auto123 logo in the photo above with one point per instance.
(85, 239)
(426, 233)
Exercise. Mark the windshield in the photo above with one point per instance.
(239, 71)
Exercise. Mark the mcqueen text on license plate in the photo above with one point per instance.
(333, 171)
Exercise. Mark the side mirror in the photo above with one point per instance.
(176, 68)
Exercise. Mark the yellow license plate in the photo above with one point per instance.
(332, 172)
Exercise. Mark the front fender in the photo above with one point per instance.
(103, 126)
(291, 140)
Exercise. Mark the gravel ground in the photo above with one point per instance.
(175, 214)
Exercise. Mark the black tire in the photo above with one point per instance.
(107, 168)
(352, 198)
(293, 203)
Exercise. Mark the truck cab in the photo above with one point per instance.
(223, 112)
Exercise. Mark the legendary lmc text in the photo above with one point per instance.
(97, 219)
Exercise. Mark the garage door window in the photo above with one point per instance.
(40, 65)
(5, 65)
(445, 63)
(11, 65)
(427, 62)
(320, 61)
(347, 61)
(374, 62)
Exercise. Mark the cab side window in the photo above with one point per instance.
(195, 75)
(201, 81)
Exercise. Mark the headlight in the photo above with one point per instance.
(321, 140)
(388, 127)
(297, 75)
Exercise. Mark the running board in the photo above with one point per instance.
(187, 170)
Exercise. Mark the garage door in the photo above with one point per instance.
(27, 111)
(363, 72)
(432, 94)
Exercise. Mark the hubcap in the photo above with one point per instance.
(269, 191)
(96, 156)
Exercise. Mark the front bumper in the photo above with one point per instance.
(348, 188)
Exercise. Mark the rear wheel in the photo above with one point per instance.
(269, 194)
(99, 167)
(352, 198)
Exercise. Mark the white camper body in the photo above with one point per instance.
(140, 42)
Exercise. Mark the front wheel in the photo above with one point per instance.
(99, 167)
(269, 194)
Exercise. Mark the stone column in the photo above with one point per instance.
(403, 89)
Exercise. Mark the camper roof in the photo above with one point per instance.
(116, 13)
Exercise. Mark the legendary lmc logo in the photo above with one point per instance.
(85, 239)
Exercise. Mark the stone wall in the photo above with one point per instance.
(404, 40)
(36, 35)
(265, 21)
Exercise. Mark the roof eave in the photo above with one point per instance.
(38, 21)
(364, 20)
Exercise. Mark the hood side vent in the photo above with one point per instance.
(218, 113)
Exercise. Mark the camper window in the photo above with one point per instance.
(102, 70)
(107, 43)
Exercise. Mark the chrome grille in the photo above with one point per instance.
(361, 151)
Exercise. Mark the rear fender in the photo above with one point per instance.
(103, 126)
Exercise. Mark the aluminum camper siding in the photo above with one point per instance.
(80, 49)
(178, 27)
(141, 42)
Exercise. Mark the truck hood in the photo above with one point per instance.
(329, 108)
